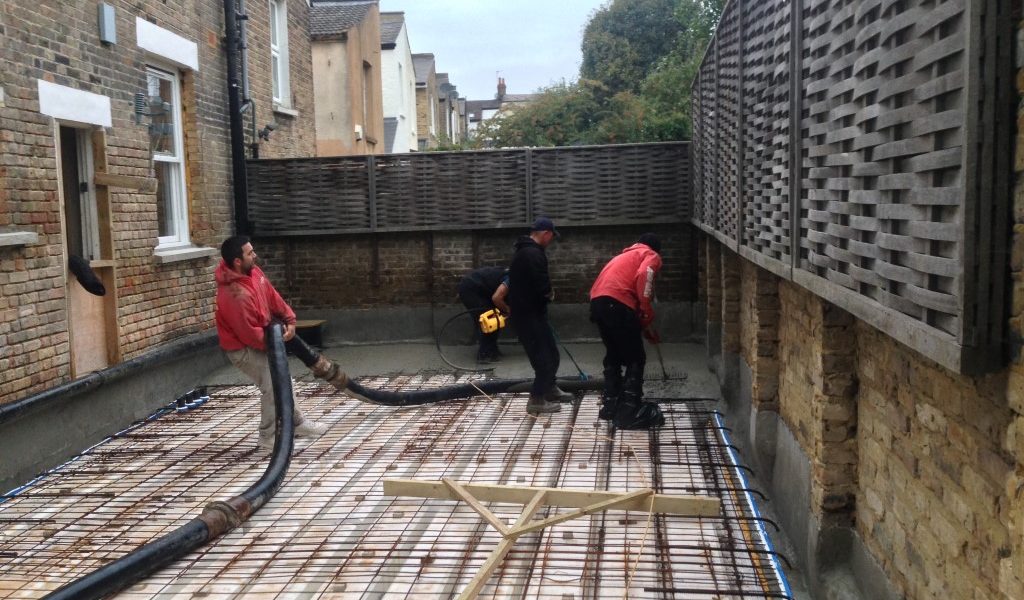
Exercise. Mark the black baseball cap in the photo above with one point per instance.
(545, 224)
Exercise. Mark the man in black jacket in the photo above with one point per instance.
(528, 296)
(476, 291)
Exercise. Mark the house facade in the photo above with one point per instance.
(346, 51)
(428, 122)
(398, 78)
(115, 149)
(452, 110)
(503, 103)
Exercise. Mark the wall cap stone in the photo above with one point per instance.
(173, 255)
(18, 238)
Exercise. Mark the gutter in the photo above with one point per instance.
(177, 349)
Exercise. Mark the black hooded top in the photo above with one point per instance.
(529, 284)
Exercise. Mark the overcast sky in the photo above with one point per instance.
(531, 43)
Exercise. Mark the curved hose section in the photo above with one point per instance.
(329, 371)
(463, 391)
(437, 342)
(218, 517)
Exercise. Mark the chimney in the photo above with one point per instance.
(501, 88)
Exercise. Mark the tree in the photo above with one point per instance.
(639, 60)
(624, 41)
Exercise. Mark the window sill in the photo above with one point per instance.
(284, 110)
(166, 256)
(18, 238)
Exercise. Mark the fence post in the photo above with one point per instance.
(371, 189)
(740, 120)
(795, 124)
(529, 185)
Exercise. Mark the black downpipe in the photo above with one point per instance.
(218, 517)
(92, 381)
(239, 179)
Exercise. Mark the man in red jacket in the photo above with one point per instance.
(620, 305)
(246, 303)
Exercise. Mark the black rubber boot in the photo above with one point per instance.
(612, 393)
(633, 412)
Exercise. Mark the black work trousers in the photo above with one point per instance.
(621, 334)
(479, 303)
(539, 342)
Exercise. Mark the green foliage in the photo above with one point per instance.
(625, 39)
(639, 59)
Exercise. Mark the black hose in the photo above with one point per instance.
(437, 342)
(218, 517)
(463, 391)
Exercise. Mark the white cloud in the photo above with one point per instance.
(531, 43)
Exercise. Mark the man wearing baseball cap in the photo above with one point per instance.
(528, 297)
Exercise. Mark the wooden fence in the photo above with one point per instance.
(862, 148)
(589, 185)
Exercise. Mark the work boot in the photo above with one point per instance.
(611, 394)
(329, 371)
(539, 405)
(309, 429)
(632, 412)
(648, 416)
(557, 394)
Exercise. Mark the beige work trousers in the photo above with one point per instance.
(254, 364)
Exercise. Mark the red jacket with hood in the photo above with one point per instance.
(629, 278)
(245, 305)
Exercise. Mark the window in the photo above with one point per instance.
(168, 148)
(279, 52)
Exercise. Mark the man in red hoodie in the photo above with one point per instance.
(620, 305)
(246, 303)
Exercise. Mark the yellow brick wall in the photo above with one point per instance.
(932, 471)
(1012, 566)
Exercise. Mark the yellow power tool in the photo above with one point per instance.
(492, 321)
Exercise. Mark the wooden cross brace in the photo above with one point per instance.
(533, 498)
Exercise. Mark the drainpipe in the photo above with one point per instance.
(240, 183)
(217, 518)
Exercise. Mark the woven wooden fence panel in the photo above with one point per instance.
(883, 140)
(590, 185)
(611, 184)
(728, 111)
(895, 162)
(449, 189)
(308, 195)
(697, 177)
(766, 108)
(706, 138)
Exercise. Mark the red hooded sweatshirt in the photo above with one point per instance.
(245, 305)
(629, 278)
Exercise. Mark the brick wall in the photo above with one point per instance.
(759, 333)
(1011, 574)
(419, 269)
(924, 464)
(932, 471)
(295, 134)
(58, 42)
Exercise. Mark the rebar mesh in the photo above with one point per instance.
(330, 533)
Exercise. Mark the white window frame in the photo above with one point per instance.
(90, 212)
(280, 85)
(179, 192)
